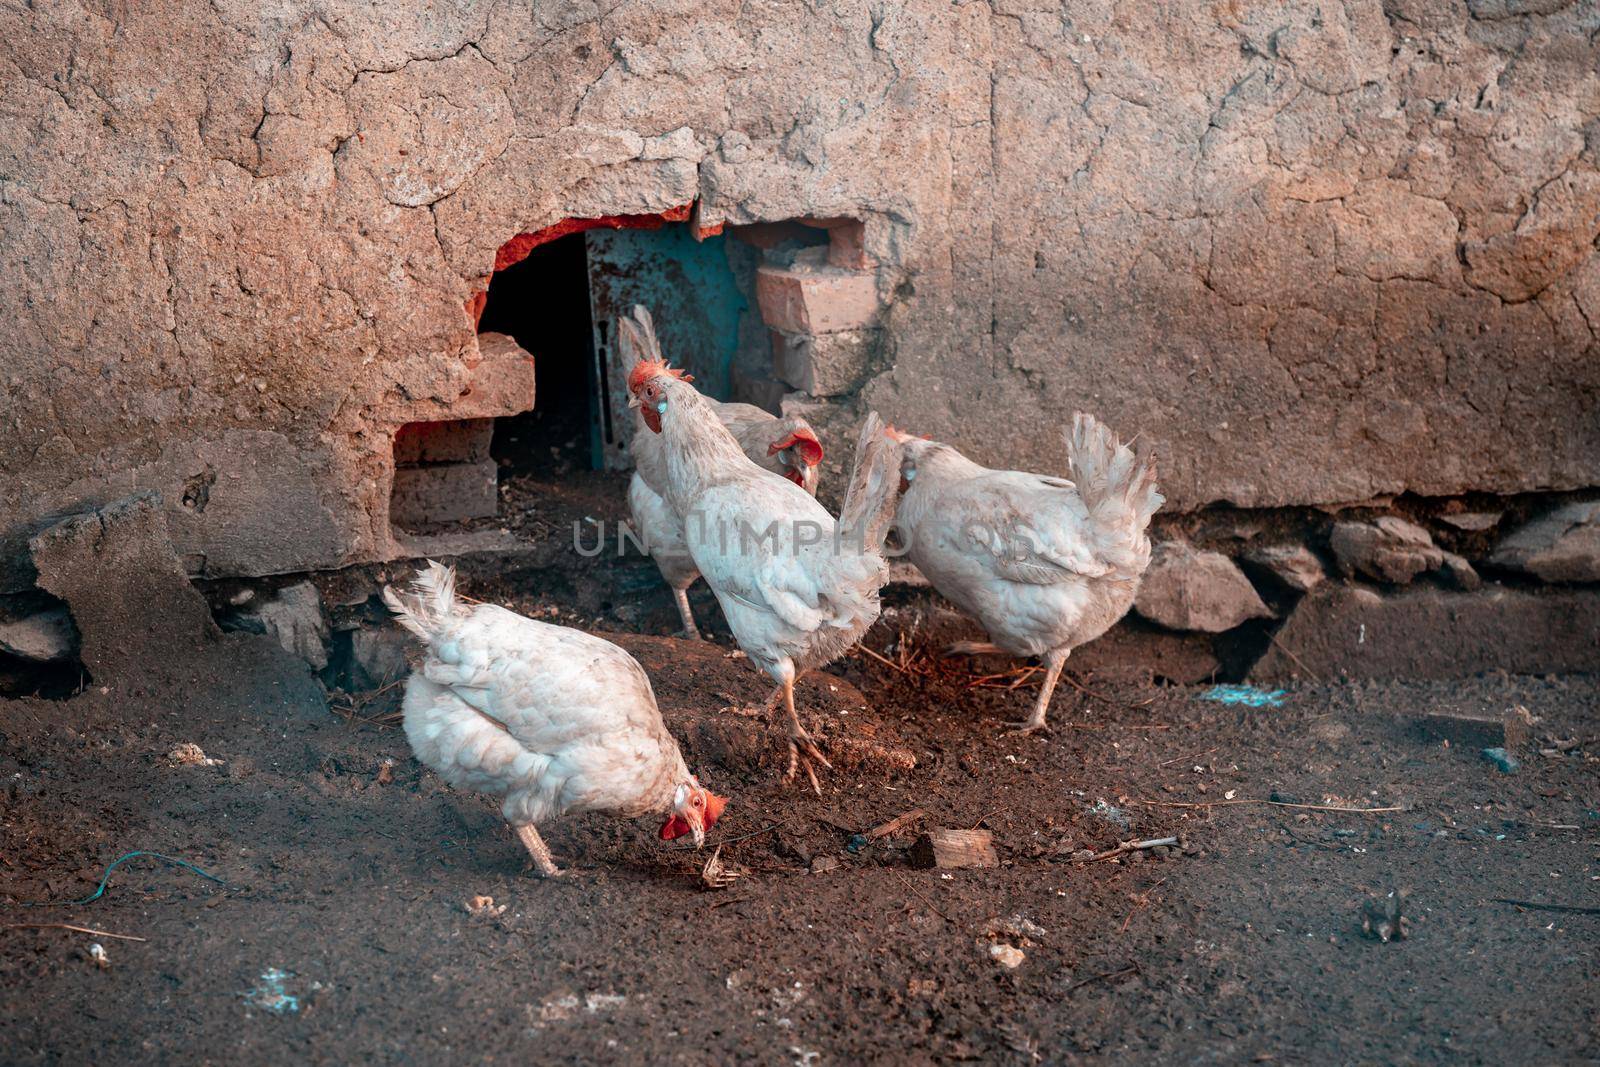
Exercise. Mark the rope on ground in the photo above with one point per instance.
(105, 879)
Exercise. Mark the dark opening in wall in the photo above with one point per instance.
(542, 303)
(39, 649)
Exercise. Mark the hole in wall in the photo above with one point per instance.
(557, 292)
(39, 648)
(542, 303)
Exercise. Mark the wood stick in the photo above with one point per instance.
(1132, 967)
(1286, 651)
(924, 899)
(77, 929)
(894, 825)
(1180, 759)
(1131, 846)
(1274, 803)
(881, 659)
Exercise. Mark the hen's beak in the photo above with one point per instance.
(699, 836)
(633, 400)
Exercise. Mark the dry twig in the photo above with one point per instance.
(75, 929)
(1131, 846)
(1274, 803)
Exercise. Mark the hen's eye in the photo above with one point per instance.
(698, 801)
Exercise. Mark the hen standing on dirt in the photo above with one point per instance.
(1045, 564)
(783, 445)
(798, 588)
(552, 719)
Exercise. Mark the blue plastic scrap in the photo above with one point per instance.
(1502, 759)
(272, 995)
(1248, 695)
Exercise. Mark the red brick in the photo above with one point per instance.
(816, 300)
(462, 441)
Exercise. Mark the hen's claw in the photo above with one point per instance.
(1023, 729)
(802, 751)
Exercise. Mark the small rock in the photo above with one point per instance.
(1007, 956)
(1390, 549)
(295, 618)
(1186, 589)
(1296, 566)
(1381, 917)
(1563, 546)
(824, 864)
(385, 772)
(43, 637)
(97, 956)
(1473, 521)
(1505, 761)
(1460, 573)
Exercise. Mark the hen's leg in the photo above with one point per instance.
(802, 750)
(686, 616)
(1053, 662)
(529, 836)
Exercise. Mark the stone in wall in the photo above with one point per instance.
(42, 636)
(1433, 633)
(1389, 549)
(295, 618)
(1562, 546)
(1296, 566)
(1189, 589)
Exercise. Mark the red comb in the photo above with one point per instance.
(646, 369)
(803, 439)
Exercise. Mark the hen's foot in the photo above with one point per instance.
(802, 752)
(546, 864)
(1023, 729)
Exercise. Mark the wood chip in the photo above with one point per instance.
(955, 849)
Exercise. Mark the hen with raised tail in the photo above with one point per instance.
(552, 720)
(1046, 564)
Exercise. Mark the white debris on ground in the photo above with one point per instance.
(1007, 956)
(190, 754)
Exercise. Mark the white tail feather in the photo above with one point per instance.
(638, 331)
(874, 487)
(427, 606)
(1118, 489)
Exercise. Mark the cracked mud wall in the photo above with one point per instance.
(1312, 251)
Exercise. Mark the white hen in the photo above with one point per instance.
(797, 588)
(1044, 563)
(551, 719)
(785, 445)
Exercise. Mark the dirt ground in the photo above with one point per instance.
(341, 933)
